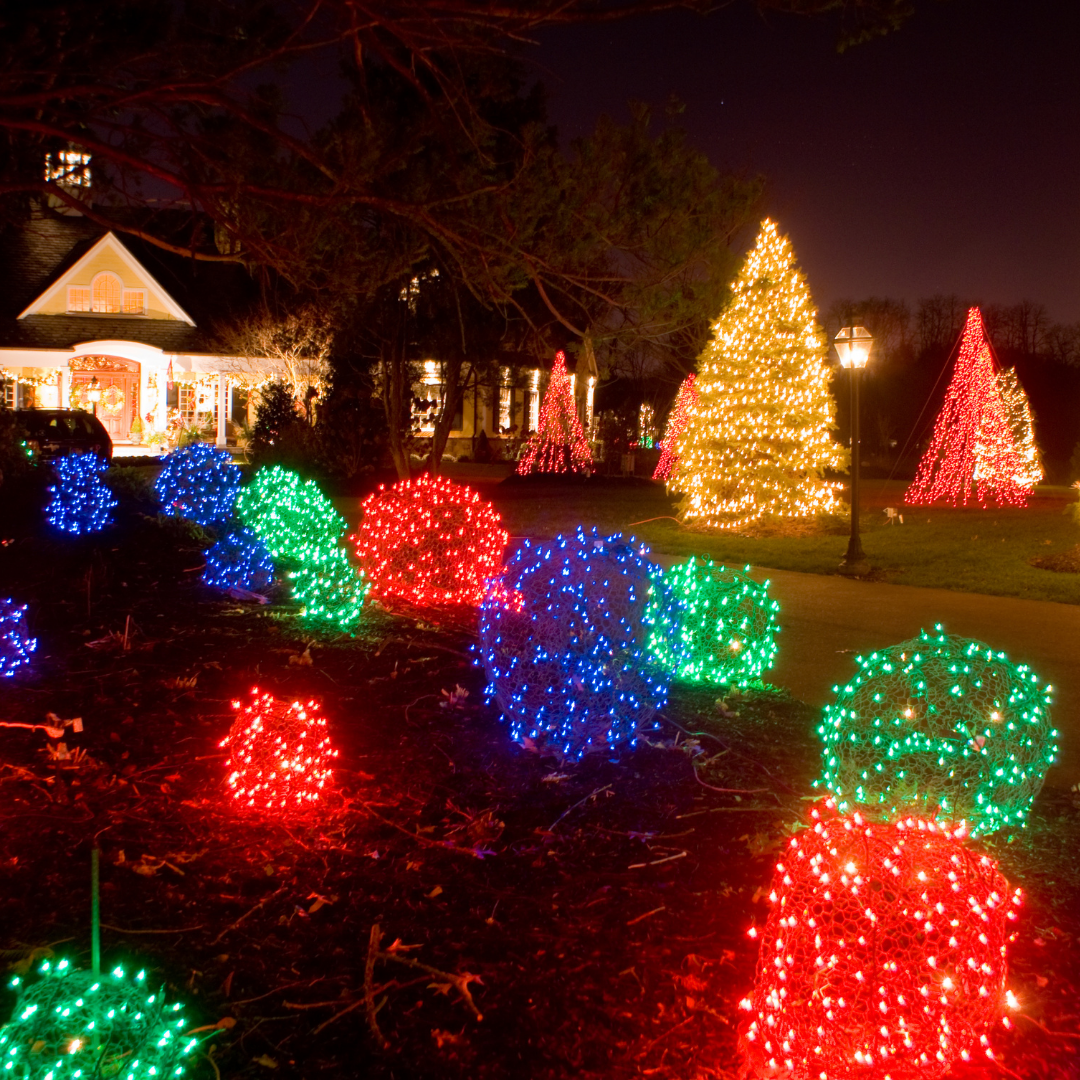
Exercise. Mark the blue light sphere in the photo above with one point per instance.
(16, 644)
(239, 560)
(200, 483)
(81, 502)
(561, 640)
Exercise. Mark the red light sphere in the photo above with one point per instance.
(279, 755)
(429, 542)
(884, 955)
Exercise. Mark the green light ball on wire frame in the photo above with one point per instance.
(940, 724)
(74, 1024)
(330, 593)
(712, 623)
(292, 517)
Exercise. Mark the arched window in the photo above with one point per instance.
(106, 293)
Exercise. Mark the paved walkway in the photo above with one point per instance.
(826, 620)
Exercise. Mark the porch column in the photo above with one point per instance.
(65, 388)
(222, 407)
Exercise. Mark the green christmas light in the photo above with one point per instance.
(74, 1024)
(712, 624)
(940, 724)
(331, 592)
(292, 517)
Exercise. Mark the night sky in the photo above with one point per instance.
(942, 158)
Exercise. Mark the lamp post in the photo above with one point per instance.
(853, 347)
(94, 393)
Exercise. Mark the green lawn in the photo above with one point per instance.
(985, 551)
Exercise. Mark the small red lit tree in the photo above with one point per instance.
(430, 541)
(884, 954)
(279, 755)
(972, 454)
(680, 412)
(558, 444)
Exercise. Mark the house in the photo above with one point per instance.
(506, 411)
(84, 309)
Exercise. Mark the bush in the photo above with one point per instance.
(15, 463)
(350, 433)
(280, 436)
(132, 484)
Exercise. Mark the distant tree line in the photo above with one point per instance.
(910, 366)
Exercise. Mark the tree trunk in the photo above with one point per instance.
(395, 392)
(454, 393)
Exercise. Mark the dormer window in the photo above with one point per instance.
(106, 295)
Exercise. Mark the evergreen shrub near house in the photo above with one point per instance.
(280, 435)
(15, 463)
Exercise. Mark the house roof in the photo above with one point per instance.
(37, 253)
(64, 331)
(109, 242)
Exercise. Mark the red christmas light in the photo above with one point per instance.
(558, 444)
(972, 445)
(884, 954)
(280, 755)
(430, 541)
(680, 413)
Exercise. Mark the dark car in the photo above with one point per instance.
(53, 433)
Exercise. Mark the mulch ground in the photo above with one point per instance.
(460, 907)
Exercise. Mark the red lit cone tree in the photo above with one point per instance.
(558, 444)
(676, 424)
(972, 454)
(760, 435)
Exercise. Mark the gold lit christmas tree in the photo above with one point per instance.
(1022, 423)
(758, 438)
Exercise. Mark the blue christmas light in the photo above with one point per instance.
(16, 644)
(711, 623)
(199, 482)
(239, 560)
(561, 635)
(81, 503)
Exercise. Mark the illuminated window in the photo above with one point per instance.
(68, 167)
(134, 301)
(533, 399)
(79, 298)
(106, 293)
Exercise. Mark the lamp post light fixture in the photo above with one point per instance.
(853, 347)
(94, 393)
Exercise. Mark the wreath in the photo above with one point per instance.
(112, 399)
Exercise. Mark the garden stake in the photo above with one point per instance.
(95, 913)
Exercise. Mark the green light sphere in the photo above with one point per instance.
(939, 724)
(74, 1024)
(712, 623)
(331, 593)
(292, 517)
